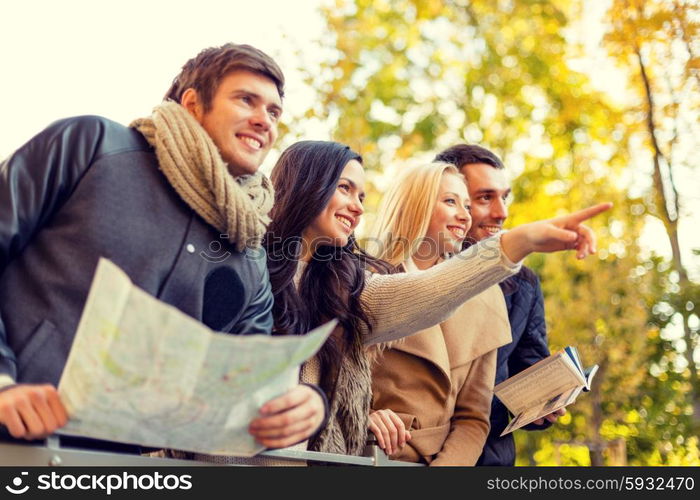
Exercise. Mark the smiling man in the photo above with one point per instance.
(489, 191)
(175, 200)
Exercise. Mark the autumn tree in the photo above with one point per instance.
(656, 42)
(406, 78)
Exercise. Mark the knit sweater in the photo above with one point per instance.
(402, 304)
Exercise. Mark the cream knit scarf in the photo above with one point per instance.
(238, 207)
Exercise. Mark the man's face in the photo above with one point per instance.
(489, 191)
(243, 119)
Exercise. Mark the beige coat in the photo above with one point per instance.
(440, 381)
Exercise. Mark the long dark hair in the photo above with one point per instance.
(305, 178)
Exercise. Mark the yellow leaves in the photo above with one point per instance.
(655, 458)
(552, 27)
(611, 430)
(563, 454)
(565, 419)
(382, 6)
(502, 66)
(632, 417)
(601, 326)
(683, 454)
(410, 144)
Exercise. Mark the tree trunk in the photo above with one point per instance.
(596, 443)
(670, 221)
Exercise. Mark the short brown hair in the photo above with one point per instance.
(204, 72)
(469, 154)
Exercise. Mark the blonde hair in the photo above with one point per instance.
(405, 212)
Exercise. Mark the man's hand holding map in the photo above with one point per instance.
(141, 371)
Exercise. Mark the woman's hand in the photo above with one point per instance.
(289, 419)
(390, 430)
(552, 235)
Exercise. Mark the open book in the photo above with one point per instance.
(551, 383)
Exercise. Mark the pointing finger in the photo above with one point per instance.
(587, 213)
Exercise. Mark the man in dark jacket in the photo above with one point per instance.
(489, 190)
(175, 200)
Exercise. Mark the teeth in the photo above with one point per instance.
(344, 221)
(252, 142)
(457, 232)
(492, 229)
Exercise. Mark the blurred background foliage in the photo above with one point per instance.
(403, 79)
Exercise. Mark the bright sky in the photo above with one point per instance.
(117, 59)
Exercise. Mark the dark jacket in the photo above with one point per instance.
(526, 314)
(86, 188)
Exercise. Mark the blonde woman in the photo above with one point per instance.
(433, 390)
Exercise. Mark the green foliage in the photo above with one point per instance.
(656, 42)
(410, 77)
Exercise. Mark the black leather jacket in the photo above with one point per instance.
(86, 188)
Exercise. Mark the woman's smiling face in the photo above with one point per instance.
(334, 225)
(450, 220)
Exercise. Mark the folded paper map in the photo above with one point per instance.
(141, 371)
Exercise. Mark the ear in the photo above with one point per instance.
(191, 102)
